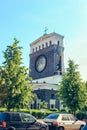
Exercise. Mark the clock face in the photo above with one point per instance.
(40, 63)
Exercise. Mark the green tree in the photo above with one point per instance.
(17, 83)
(85, 107)
(72, 89)
(2, 87)
(43, 105)
(86, 85)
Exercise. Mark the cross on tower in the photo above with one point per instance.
(45, 31)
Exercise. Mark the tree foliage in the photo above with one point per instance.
(43, 105)
(72, 89)
(85, 107)
(2, 87)
(17, 83)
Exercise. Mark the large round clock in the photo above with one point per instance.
(40, 63)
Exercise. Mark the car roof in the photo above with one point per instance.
(14, 112)
(62, 113)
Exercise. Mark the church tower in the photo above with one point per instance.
(47, 66)
(46, 56)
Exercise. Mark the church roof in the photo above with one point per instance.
(46, 36)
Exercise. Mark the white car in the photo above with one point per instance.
(60, 121)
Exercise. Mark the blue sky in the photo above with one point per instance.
(26, 20)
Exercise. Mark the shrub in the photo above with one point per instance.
(54, 109)
(80, 115)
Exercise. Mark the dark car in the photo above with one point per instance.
(60, 121)
(20, 121)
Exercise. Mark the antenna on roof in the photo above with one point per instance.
(45, 31)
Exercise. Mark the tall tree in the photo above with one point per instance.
(2, 87)
(85, 107)
(17, 83)
(43, 105)
(72, 89)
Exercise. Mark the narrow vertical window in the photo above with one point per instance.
(36, 48)
(42, 46)
(50, 42)
(46, 44)
(52, 96)
(33, 49)
(58, 43)
(39, 47)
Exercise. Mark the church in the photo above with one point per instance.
(47, 68)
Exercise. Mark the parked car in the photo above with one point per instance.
(85, 127)
(59, 121)
(20, 121)
(85, 119)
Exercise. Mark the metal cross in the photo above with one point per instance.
(45, 31)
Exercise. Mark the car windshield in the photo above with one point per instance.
(52, 116)
(27, 117)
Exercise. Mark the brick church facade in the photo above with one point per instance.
(47, 68)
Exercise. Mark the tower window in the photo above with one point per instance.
(39, 47)
(46, 44)
(52, 96)
(33, 49)
(52, 105)
(38, 96)
(42, 46)
(50, 42)
(36, 48)
(58, 43)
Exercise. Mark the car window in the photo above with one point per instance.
(71, 117)
(15, 117)
(4, 117)
(65, 118)
(52, 116)
(27, 117)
